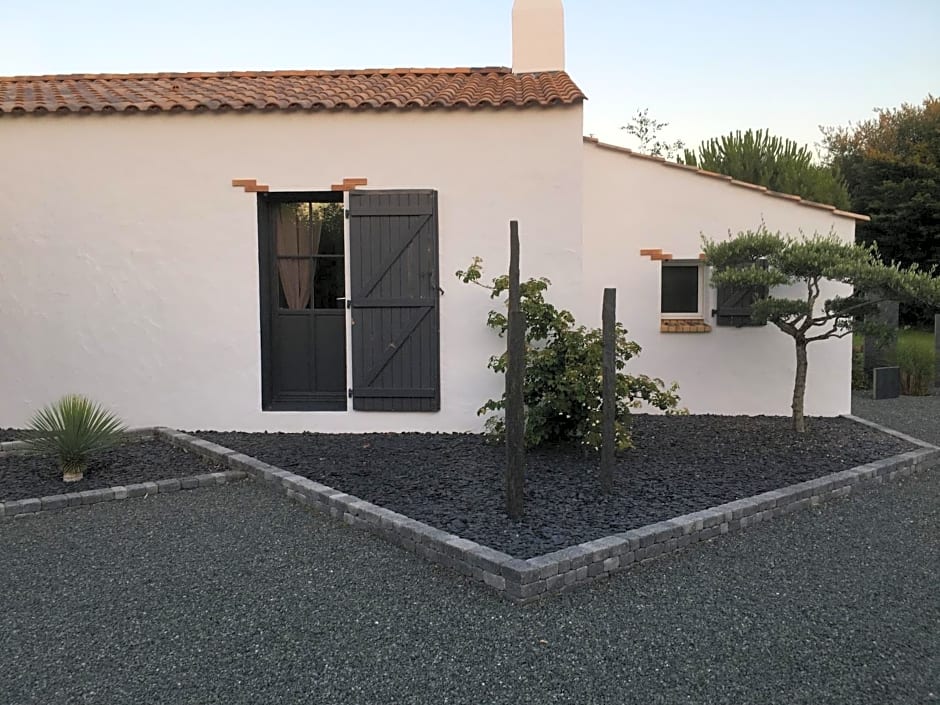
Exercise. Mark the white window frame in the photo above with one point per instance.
(700, 266)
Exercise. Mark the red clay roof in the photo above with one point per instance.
(730, 180)
(375, 89)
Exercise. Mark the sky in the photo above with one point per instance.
(706, 67)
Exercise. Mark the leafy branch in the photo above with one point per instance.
(562, 388)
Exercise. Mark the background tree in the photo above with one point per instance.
(779, 164)
(891, 164)
(647, 130)
(762, 260)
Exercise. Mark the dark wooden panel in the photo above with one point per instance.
(734, 305)
(330, 359)
(394, 289)
(292, 354)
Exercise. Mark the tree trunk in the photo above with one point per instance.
(799, 387)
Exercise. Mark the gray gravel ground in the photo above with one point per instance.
(11, 434)
(917, 416)
(235, 595)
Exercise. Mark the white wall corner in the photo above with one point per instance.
(538, 36)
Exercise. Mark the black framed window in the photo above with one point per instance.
(682, 289)
(302, 257)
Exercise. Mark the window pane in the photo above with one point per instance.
(680, 289)
(329, 219)
(309, 228)
(329, 283)
(293, 232)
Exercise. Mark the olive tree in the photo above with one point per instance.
(764, 261)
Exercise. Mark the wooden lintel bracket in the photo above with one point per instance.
(350, 184)
(656, 255)
(250, 185)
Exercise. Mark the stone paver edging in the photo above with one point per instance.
(10, 447)
(524, 581)
(891, 432)
(23, 507)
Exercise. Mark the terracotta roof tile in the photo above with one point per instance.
(763, 190)
(369, 89)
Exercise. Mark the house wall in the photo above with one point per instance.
(129, 264)
(632, 204)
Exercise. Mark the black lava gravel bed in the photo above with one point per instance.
(12, 434)
(234, 596)
(679, 465)
(27, 476)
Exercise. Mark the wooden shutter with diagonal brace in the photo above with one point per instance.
(394, 288)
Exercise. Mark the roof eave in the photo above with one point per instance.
(763, 190)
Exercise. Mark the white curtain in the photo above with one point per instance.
(297, 232)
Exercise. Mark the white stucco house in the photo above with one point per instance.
(276, 250)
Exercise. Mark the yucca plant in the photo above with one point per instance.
(72, 429)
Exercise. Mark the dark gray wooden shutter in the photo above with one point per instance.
(734, 304)
(394, 286)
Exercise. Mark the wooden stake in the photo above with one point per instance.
(609, 390)
(515, 379)
(936, 343)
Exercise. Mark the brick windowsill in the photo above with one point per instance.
(684, 325)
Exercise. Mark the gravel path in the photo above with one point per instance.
(26, 476)
(234, 595)
(679, 465)
(916, 416)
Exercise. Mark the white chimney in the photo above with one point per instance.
(538, 36)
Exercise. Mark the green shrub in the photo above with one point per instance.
(562, 387)
(916, 358)
(72, 429)
(860, 379)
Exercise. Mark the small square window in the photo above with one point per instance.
(682, 289)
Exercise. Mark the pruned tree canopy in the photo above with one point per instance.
(767, 260)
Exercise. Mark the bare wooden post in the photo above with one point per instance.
(609, 390)
(515, 379)
(936, 345)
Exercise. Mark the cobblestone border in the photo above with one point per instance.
(524, 581)
(25, 507)
(10, 447)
